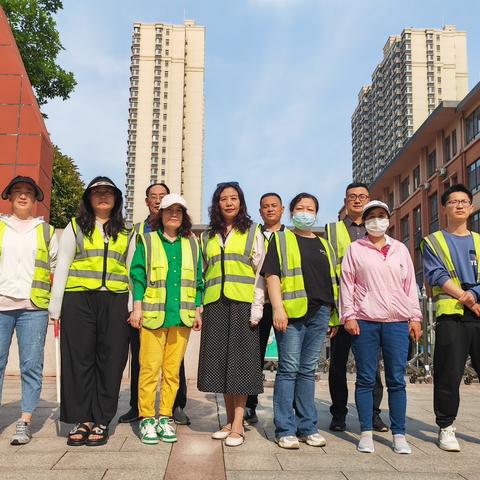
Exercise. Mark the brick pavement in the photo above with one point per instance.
(197, 457)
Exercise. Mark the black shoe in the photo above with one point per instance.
(180, 417)
(337, 425)
(130, 416)
(250, 416)
(378, 424)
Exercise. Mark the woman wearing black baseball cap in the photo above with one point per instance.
(90, 296)
(28, 251)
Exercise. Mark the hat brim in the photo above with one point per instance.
(366, 212)
(39, 196)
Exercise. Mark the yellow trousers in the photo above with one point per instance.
(161, 350)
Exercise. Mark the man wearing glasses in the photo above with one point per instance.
(450, 264)
(340, 235)
(153, 198)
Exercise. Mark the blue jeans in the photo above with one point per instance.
(298, 353)
(392, 338)
(31, 329)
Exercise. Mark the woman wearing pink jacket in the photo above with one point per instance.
(379, 307)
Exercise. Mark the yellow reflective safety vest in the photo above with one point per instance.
(99, 264)
(446, 304)
(294, 296)
(229, 267)
(339, 238)
(139, 228)
(153, 304)
(41, 283)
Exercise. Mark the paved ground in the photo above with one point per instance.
(198, 457)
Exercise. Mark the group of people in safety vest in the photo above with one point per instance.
(146, 287)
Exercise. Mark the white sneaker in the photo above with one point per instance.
(400, 444)
(447, 440)
(365, 444)
(314, 440)
(289, 441)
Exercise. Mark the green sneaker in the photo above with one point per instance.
(148, 432)
(166, 430)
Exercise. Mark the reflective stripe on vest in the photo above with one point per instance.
(294, 295)
(40, 290)
(156, 265)
(139, 228)
(339, 238)
(445, 304)
(98, 264)
(229, 267)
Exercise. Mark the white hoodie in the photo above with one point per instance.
(17, 261)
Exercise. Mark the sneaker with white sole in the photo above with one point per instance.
(400, 445)
(166, 430)
(365, 445)
(148, 431)
(447, 440)
(22, 433)
(314, 440)
(289, 441)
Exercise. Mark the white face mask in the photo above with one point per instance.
(377, 227)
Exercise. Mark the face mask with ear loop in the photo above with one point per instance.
(376, 227)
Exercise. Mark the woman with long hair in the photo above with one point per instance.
(303, 289)
(90, 296)
(166, 272)
(233, 250)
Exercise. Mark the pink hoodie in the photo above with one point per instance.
(378, 288)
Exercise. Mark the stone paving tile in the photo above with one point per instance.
(467, 475)
(250, 461)
(334, 463)
(59, 444)
(398, 476)
(113, 460)
(432, 464)
(34, 461)
(276, 475)
(139, 474)
(133, 444)
(55, 475)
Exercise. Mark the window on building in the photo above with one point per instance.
(164, 139)
(165, 84)
(439, 79)
(431, 163)
(164, 116)
(474, 176)
(167, 42)
(438, 58)
(165, 95)
(439, 91)
(404, 189)
(474, 222)
(164, 150)
(417, 238)
(405, 230)
(164, 161)
(472, 126)
(166, 73)
(454, 143)
(416, 177)
(390, 201)
(433, 212)
(167, 52)
(446, 150)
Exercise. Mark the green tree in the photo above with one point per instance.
(38, 41)
(67, 190)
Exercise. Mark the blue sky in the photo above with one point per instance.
(282, 78)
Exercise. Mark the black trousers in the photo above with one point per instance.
(180, 400)
(340, 346)
(456, 337)
(94, 351)
(264, 328)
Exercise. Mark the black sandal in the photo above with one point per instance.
(102, 432)
(79, 429)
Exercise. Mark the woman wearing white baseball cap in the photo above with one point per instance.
(166, 272)
(379, 307)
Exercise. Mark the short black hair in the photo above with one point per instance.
(271, 194)
(301, 196)
(147, 191)
(357, 185)
(459, 187)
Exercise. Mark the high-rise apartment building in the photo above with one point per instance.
(420, 68)
(166, 114)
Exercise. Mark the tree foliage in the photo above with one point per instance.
(38, 41)
(67, 190)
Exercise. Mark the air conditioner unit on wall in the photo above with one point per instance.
(442, 171)
(426, 185)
